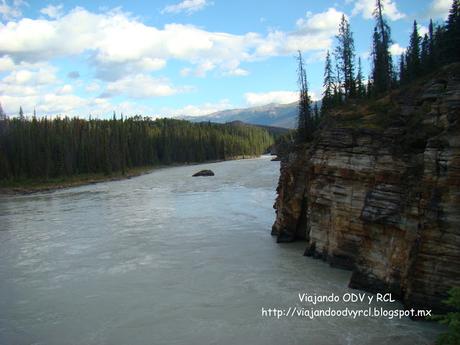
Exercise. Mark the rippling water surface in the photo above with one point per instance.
(168, 259)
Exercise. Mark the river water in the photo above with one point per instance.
(169, 259)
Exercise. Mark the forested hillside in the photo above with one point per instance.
(44, 148)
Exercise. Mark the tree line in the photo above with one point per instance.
(343, 77)
(45, 148)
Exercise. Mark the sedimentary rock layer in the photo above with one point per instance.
(378, 192)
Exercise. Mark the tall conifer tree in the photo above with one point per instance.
(305, 121)
(345, 56)
(328, 85)
(413, 54)
(382, 73)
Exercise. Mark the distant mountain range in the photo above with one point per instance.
(273, 115)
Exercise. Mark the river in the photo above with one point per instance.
(166, 258)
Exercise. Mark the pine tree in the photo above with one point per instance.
(2, 113)
(21, 113)
(304, 123)
(453, 33)
(316, 115)
(402, 69)
(424, 54)
(382, 63)
(345, 56)
(440, 46)
(413, 54)
(360, 89)
(328, 85)
(338, 94)
(431, 52)
(369, 87)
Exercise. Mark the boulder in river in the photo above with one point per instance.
(204, 173)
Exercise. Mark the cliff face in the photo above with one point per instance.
(378, 192)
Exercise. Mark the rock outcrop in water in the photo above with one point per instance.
(378, 192)
(204, 173)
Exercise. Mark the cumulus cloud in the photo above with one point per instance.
(92, 87)
(237, 72)
(119, 44)
(366, 9)
(263, 98)
(396, 49)
(53, 11)
(325, 23)
(123, 52)
(198, 110)
(439, 9)
(65, 90)
(36, 86)
(43, 75)
(314, 32)
(187, 6)
(141, 86)
(6, 63)
(50, 103)
(12, 9)
(422, 30)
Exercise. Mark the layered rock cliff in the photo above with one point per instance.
(378, 192)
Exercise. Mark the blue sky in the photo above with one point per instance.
(178, 57)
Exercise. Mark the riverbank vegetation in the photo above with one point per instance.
(44, 149)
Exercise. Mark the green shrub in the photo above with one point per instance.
(452, 320)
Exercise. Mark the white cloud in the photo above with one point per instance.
(17, 90)
(151, 64)
(65, 90)
(204, 68)
(92, 87)
(314, 32)
(11, 11)
(439, 9)
(123, 52)
(141, 86)
(44, 75)
(325, 23)
(37, 86)
(120, 45)
(396, 49)
(263, 98)
(422, 30)
(66, 104)
(6, 63)
(187, 6)
(198, 110)
(48, 103)
(237, 72)
(366, 8)
(53, 11)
